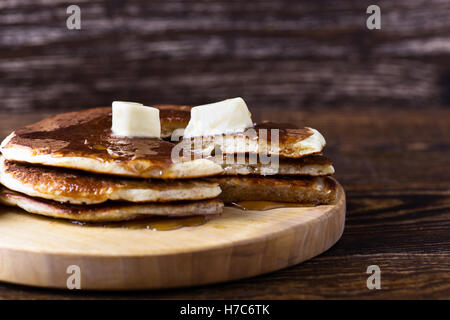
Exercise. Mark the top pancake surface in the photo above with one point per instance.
(87, 133)
(279, 139)
(83, 140)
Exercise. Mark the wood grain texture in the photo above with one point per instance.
(37, 251)
(394, 166)
(293, 54)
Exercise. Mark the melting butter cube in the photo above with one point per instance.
(133, 119)
(228, 116)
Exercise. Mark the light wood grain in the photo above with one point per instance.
(239, 244)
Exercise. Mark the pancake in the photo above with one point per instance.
(309, 190)
(109, 211)
(78, 187)
(313, 165)
(83, 140)
(292, 142)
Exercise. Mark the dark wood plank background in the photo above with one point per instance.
(280, 54)
(395, 169)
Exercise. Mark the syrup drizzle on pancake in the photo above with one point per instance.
(89, 135)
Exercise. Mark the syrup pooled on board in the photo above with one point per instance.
(267, 205)
(173, 223)
(154, 223)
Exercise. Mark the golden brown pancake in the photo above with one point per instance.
(310, 190)
(83, 140)
(277, 139)
(108, 211)
(313, 165)
(79, 187)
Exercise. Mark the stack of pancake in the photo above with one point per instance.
(71, 166)
(300, 173)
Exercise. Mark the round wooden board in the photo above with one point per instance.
(236, 245)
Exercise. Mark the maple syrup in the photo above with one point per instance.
(267, 205)
(154, 223)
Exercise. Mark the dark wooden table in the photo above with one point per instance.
(395, 167)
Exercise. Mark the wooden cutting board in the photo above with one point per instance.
(39, 251)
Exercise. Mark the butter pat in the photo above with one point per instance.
(132, 119)
(228, 116)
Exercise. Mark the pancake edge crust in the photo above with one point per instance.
(313, 143)
(78, 187)
(110, 211)
(196, 168)
(311, 165)
(308, 190)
